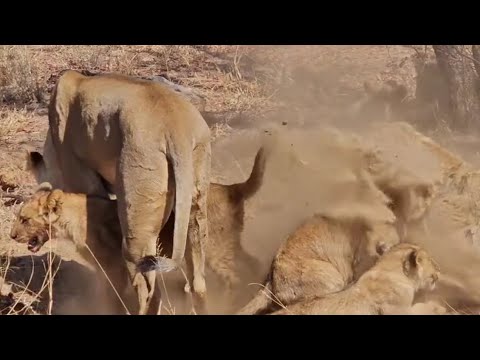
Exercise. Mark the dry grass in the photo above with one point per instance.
(7, 214)
(26, 301)
(15, 124)
(232, 78)
(19, 75)
(27, 73)
(14, 121)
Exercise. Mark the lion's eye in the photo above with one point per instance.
(23, 220)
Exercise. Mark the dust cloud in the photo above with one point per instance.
(308, 172)
(314, 166)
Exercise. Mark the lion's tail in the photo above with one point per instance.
(260, 302)
(254, 182)
(181, 159)
(182, 163)
(157, 263)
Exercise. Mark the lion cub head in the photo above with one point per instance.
(420, 267)
(37, 216)
(410, 262)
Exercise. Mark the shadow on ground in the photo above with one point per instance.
(76, 289)
(73, 288)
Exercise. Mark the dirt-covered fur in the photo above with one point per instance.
(380, 101)
(117, 134)
(392, 137)
(453, 224)
(449, 226)
(410, 168)
(226, 207)
(92, 221)
(410, 194)
(322, 256)
(427, 308)
(433, 176)
(393, 164)
(389, 287)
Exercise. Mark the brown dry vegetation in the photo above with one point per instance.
(247, 91)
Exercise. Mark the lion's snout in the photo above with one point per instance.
(14, 233)
(19, 234)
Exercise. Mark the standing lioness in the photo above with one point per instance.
(93, 221)
(120, 134)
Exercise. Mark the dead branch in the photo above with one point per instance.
(476, 58)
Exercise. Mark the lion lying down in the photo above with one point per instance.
(388, 287)
(322, 256)
(93, 221)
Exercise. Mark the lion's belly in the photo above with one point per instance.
(109, 172)
(103, 158)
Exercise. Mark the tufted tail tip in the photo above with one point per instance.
(159, 264)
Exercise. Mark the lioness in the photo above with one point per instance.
(388, 287)
(91, 220)
(322, 256)
(410, 196)
(113, 133)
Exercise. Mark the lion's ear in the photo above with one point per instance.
(34, 160)
(381, 248)
(54, 201)
(411, 261)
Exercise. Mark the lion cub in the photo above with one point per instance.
(93, 221)
(322, 256)
(90, 222)
(389, 287)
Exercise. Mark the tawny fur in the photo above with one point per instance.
(389, 287)
(226, 207)
(93, 221)
(322, 256)
(448, 227)
(117, 134)
(409, 195)
(392, 137)
(409, 168)
(427, 308)
(85, 220)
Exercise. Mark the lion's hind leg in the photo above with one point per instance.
(142, 208)
(198, 226)
(310, 278)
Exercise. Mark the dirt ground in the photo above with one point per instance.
(248, 92)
